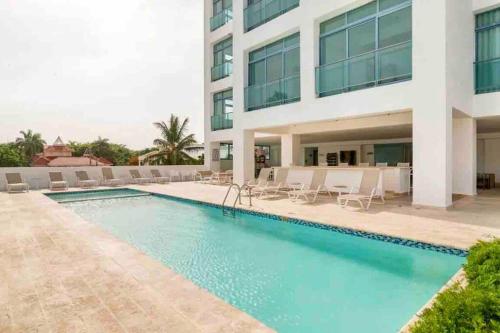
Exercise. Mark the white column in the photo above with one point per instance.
(432, 115)
(464, 156)
(243, 156)
(290, 150)
(210, 164)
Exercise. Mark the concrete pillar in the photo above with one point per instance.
(290, 150)
(432, 114)
(243, 157)
(210, 164)
(464, 156)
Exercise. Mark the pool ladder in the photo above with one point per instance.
(226, 210)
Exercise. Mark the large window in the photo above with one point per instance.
(365, 47)
(274, 74)
(222, 13)
(259, 12)
(488, 51)
(226, 151)
(223, 110)
(223, 59)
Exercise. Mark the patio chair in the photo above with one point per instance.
(158, 178)
(305, 188)
(174, 175)
(187, 175)
(274, 186)
(57, 181)
(109, 179)
(16, 183)
(138, 178)
(83, 180)
(262, 179)
(204, 176)
(366, 192)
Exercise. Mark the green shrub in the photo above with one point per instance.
(475, 308)
(483, 265)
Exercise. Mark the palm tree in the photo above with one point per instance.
(173, 141)
(31, 143)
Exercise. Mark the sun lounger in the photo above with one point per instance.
(204, 176)
(83, 179)
(57, 181)
(15, 183)
(138, 178)
(303, 187)
(158, 178)
(109, 179)
(366, 192)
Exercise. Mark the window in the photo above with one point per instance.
(367, 46)
(222, 13)
(226, 151)
(223, 110)
(259, 12)
(488, 52)
(274, 74)
(223, 59)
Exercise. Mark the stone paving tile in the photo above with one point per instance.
(60, 273)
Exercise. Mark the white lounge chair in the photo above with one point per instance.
(204, 176)
(138, 178)
(273, 187)
(16, 183)
(304, 188)
(158, 178)
(262, 179)
(366, 192)
(83, 180)
(109, 179)
(188, 175)
(174, 175)
(57, 181)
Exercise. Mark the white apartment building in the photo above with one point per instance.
(314, 82)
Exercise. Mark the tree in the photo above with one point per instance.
(11, 156)
(31, 143)
(173, 141)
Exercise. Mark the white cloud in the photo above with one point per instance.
(81, 69)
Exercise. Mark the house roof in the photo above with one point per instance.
(77, 161)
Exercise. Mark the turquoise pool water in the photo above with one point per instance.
(293, 278)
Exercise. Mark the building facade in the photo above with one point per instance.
(360, 81)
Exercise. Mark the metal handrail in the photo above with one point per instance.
(238, 197)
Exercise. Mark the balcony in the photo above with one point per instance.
(265, 10)
(274, 93)
(222, 121)
(220, 19)
(383, 66)
(221, 71)
(487, 75)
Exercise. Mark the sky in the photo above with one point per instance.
(87, 68)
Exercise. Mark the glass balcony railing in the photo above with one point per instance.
(221, 71)
(220, 19)
(278, 92)
(487, 76)
(222, 121)
(265, 10)
(383, 66)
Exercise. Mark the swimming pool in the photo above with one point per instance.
(292, 277)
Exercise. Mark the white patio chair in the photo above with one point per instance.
(366, 192)
(138, 178)
(83, 180)
(16, 183)
(158, 178)
(57, 182)
(109, 179)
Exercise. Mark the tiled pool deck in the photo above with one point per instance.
(60, 273)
